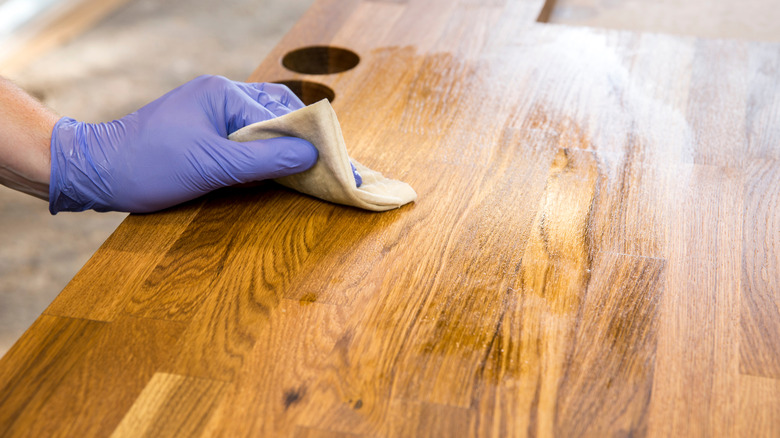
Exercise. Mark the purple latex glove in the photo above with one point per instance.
(358, 178)
(173, 149)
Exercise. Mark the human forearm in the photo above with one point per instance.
(172, 150)
(25, 139)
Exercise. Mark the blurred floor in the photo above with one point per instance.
(137, 53)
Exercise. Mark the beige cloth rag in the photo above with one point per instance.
(331, 178)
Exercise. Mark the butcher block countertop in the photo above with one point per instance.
(595, 251)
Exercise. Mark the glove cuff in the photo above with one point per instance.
(75, 182)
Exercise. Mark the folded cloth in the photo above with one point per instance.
(331, 178)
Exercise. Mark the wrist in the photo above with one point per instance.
(26, 127)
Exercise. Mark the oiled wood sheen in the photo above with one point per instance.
(595, 251)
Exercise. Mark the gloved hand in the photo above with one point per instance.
(173, 149)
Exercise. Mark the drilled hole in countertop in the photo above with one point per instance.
(309, 92)
(320, 60)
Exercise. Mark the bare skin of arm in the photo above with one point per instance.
(25, 137)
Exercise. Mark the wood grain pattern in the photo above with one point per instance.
(171, 405)
(608, 381)
(33, 368)
(760, 315)
(594, 252)
(703, 278)
(282, 371)
(102, 287)
(758, 400)
(107, 380)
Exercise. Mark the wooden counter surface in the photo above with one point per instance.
(595, 251)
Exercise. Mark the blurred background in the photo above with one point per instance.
(97, 60)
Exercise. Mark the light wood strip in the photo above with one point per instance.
(308, 432)
(700, 317)
(171, 405)
(427, 419)
(467, 32)
(762, 122)
(369, 24)
(517, 17)
(760, 314)
(719, 140)
(759, 404)
(405, 33)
